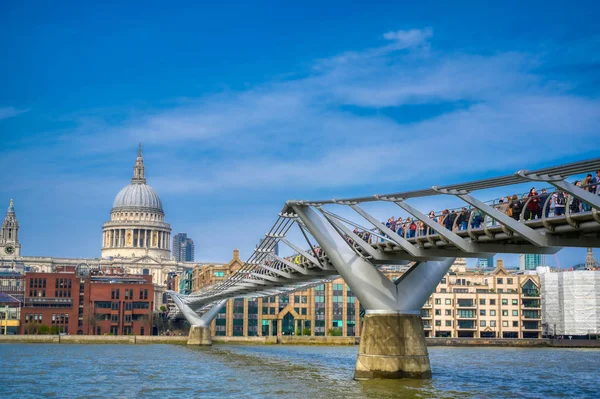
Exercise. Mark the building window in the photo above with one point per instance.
(492, 313)
(504, 302)
(515, 324)
(438, 312)
(505, 313)
(448, 301)
(492, 301)
(505, 324)
(443, 281)
(509, 281)
(482, 301)
(493, 323)
(482, 312)
(481, 323)
(448, 312)
(515, 313)
(438, 323)
(515, 302)
(219, 274)
(499, 281)
(438, 301)
(303, 311)
(448, 323)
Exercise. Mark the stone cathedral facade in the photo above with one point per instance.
(136, 238)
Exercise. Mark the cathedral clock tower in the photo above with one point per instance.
(9, 237)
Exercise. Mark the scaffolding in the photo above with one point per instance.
(571, 303)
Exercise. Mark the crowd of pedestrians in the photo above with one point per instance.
(528, 207)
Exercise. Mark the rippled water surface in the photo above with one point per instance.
(171, 371)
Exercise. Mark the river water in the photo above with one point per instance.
(277, 371)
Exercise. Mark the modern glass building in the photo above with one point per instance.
(183, 248)
(530, 261)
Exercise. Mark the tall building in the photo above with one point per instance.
(483, 263)
(530, 261)
(183, 248)
(590, 262)
(9, 237)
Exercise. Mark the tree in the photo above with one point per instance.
(30, 328)
(43, 329)
(306, 331)
(334, 332)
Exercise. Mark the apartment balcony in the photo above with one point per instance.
(532, 317)
(466, 304)
(531, 293)
(466, 325)
(531, 326)
(427, 326)
(529, 306)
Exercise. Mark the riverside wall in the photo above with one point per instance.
(291, 340)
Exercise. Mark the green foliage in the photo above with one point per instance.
(43, 329)
(163, 308)
(334, 332)
(54, 330)
(306, 331)
(298, 332)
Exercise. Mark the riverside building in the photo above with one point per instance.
(87, 302)
(465, 304)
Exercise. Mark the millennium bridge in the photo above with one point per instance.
(392, 341)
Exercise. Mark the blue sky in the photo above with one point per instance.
(241, 106)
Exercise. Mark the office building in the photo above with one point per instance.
(484, 263)
(530, 261)
(183, 248)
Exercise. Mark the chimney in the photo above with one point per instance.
(236, 254)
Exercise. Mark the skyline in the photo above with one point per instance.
(241, 108)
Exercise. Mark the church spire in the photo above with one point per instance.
(590, 262)
(138, 169)
(11, 208)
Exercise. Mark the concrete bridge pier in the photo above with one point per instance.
(392, 343)
(200, 336)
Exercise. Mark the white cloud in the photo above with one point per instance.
(9, 112)
(409, 38)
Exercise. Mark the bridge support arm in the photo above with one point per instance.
(200, 325)
(392, 340)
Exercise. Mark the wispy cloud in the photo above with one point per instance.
(9, 112)
(409, 38)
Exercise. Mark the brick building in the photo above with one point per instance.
(84, 302)
(52, 301)
(119, 305)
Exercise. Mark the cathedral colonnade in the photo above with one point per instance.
(128, 237)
